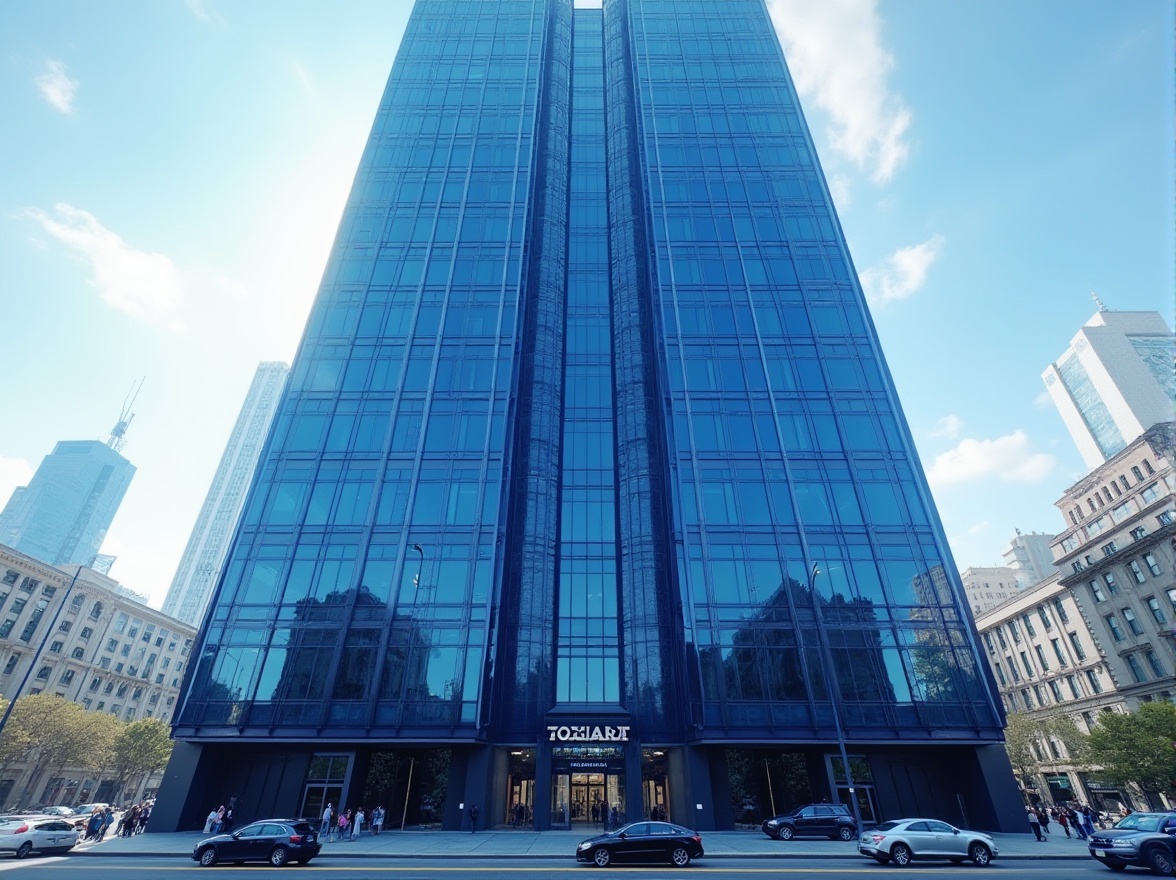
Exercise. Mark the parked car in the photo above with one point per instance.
(1143, 840)
(47, 834)
(642, 842)
(58, 811)
(813, 820)
(277, 841)
(906, 840)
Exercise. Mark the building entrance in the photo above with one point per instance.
(587, 788)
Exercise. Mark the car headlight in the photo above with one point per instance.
(584, 845)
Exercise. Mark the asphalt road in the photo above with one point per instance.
(149, 868)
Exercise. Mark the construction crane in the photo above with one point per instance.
(118, 433)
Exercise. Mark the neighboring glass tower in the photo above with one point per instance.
(191, 588)
(589, 497)
(65, 511)
(1116, 380)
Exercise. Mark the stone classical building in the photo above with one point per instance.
(73, 632)
(1099, 636)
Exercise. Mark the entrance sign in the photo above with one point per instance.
(588, 733)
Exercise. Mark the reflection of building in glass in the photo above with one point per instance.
(1115, 381)
(192, 585)
(591, 339)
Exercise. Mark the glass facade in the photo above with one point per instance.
(589, 466)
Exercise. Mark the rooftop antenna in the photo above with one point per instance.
(118, 433)
(1098, 302)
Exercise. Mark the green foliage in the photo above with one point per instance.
(1137, 748)
(1023, 730)
(140, 748)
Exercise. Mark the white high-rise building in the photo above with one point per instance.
(1032, 554)
(1114, 381)
(192, 586)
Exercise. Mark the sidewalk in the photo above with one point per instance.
(510, 844)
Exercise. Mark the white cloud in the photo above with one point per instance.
(145, 285)
(948, 427)
(14, 472)
(837, 59)
(903, 273)
(56, 87)
(1009, 459)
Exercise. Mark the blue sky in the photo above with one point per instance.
(173, 172)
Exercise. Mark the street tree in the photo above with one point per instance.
(140, 748)
(1139, 747)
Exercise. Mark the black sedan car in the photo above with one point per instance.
(1142, 840)
(642, 842)
(277, 841)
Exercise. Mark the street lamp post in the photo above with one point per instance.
(834, 696)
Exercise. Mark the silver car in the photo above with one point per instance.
(43, 834)
(905, 840)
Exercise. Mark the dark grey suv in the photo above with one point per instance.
(1143, 840)
(813, 820)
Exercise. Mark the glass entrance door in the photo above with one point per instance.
(587, 799)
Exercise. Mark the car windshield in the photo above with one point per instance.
(1141, 822)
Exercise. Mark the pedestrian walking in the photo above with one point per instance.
(1035, 823)
(1088, 820)
(1064, 821)
(209, 821)
(1043, 817)
(344, 824)
(357, 825)
(473, 818)
(325, 824)
(378, 819)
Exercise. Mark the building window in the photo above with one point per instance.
(56, 647)
(104, 663)
(1137, 571)
(1150, 561)
(76, 604)
(1165, 518)
(112, 645)
(1077, 646)
(1057, 646)
(11, 577)
(1150, 494)
(1094, 527)
(1153, 661)
(1028, 666)
(1061, 610)
(1028, 625)
(1075, 688)
(77, 653)
(66, 626)
(1153, 605)
(1014, 631)
(1027, 699)
(1039, 691)
(1092, 680)
(1138, 474)
(999, 674)
(1133, 623)
(96, 611)
(1112, 584)
(1000, 638)
(1110, 549)
(11, 664)
(1112, 624)
(1044, 615)
(1041, 657)
(1097, 592)
(1056, 690)
(1136, 668)
(43, 673)
(67, 677)
(86, 632)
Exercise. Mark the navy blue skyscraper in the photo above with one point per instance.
(590, 495)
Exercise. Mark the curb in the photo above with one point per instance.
(534, 856)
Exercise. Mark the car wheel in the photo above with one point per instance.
(601, 857)
(207, 857)
(980, 855)
(901, 854)
(680, 857)
(279, 856)
(786, 832)
(1159, 861)
(845, 833)
(25, 849)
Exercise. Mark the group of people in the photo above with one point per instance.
(1081, 819)
(101, 818)
(134, 820)
(348, 825)
(220, 820)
